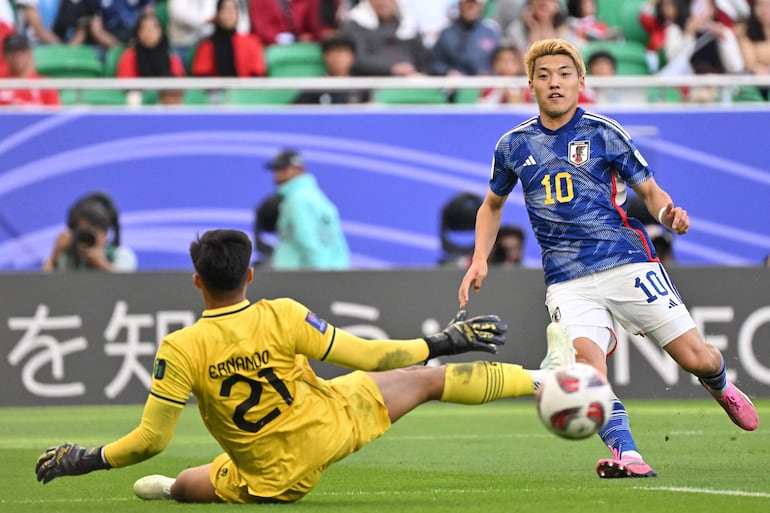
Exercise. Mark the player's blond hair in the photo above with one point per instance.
(553, 47)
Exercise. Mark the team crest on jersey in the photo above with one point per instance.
(316, 322)
(579, 152)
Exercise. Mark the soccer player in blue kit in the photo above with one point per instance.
(600, 265)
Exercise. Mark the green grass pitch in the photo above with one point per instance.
(439, 458)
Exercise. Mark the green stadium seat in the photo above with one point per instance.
(665, 95)
(65, 61)
(295, 60)
(111, 59)
(466, 95)
(161, 11)
(261, 96)
(69, 97)
(628, 21)
(195, 97)
(748, 94)
(410, 96)
(631, 56)
(608, 12)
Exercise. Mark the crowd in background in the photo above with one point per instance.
(231, 38)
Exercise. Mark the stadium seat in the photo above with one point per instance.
(631, 56)
(261, 96)
(628, 21)
(608, 12)
(65, 61)
(195, 97)
(295, 60)
(410, 96)
(665, 95)
(161, 11)
(111, 59)
(748, 94)
(69, 97)
(466, 95)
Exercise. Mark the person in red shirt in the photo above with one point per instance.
(150, 56)
(227, 53)
(20, 63)
(286, 21)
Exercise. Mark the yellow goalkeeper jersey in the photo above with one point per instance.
(247, 367)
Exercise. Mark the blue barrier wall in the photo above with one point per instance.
(174, 174)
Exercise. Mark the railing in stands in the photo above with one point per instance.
(634, 89)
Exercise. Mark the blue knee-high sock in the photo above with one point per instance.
(617, 433)
(717, 381)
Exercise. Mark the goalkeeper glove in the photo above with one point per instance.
(69, 460)
(482, 333)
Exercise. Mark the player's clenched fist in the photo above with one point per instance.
(69, 460)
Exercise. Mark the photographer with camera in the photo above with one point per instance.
(83, 246)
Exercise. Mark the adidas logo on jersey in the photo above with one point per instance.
(530, 161)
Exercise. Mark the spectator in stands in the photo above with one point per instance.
(540, 19)
(430, 16)
(339, 56)
(332, 13)
(84, 245)
(707, 46)
(754, 40)
(114, 22)
(33, 24)
(587, 27)
(285, 21)
(507, 61)
(310, 233)
(150, 56)
(664, 21)
(190, 21)
(72, 24)
(505, 12)
(508, 250)
(465, 47)
(601, 63)
(387, 41)
(714, 46)
(7, 26)
(20, 63)
(227, 53)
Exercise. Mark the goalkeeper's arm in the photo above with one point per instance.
(482, 333)
(151, 437)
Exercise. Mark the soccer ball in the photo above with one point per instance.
(574, 401)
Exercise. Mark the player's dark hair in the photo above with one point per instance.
(222, 258)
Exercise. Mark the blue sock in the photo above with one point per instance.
(716, 382)
(617, 433)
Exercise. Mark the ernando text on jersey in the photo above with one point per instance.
(574, 181)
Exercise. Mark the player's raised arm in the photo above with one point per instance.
(488, 220)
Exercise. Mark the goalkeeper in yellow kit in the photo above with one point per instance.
(278, 423)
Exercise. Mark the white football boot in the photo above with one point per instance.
(560, 349)
(153, 488)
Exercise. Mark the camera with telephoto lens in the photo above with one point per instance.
(84, 237)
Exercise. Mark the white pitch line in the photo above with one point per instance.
(708, 491)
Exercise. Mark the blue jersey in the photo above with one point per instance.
(574, 181)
